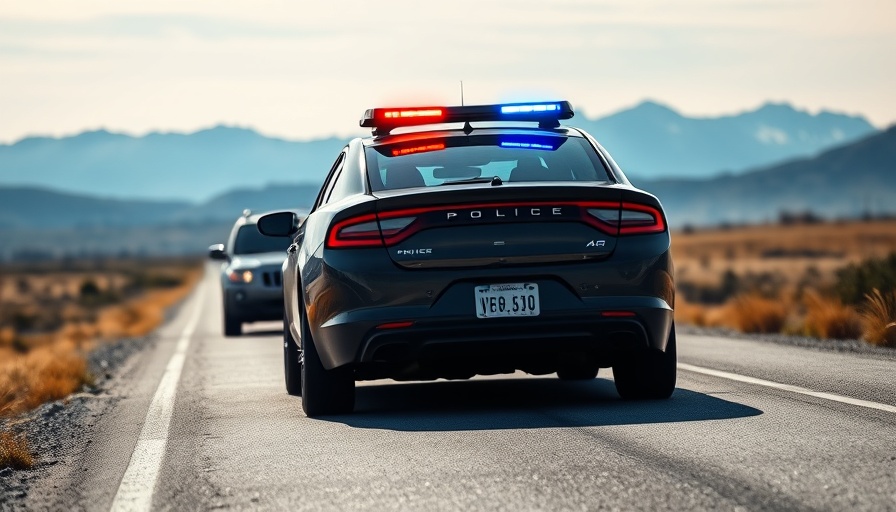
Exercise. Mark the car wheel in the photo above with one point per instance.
(577, 373)
(292, 368)
(650, 376)
(323, 391)
(232, 326)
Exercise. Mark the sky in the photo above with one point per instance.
(301, 70)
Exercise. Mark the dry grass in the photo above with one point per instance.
(756, 314)
(688, 313)
(879, 313)
(828, 317)
(45, 374)
(52, 365)
(15, 452)
(703, 257)
(725, 278)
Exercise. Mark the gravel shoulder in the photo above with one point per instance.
(824, 345)
(59, 432)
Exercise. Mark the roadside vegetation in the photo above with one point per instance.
(822, 279)
(53, 314)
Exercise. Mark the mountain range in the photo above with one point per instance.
(649, 141)
(847, 181)
(850, 181)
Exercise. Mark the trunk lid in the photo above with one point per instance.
(478, 225)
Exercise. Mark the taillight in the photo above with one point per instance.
(365, 231)
(604, 217)
(631, 219)
(640, 219)
(361, 231)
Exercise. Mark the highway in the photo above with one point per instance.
(203, 422)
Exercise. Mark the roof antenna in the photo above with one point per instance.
(461, 93)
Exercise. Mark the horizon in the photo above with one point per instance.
(362, 132)
(298, 72)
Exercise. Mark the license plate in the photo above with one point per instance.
(503, 300)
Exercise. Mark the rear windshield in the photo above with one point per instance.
(433, 162)
(250, 241)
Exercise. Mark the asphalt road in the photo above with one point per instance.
(236, 440)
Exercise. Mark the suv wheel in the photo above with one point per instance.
(650, 376)
(292, 368)
(324, 391)
(232, 326)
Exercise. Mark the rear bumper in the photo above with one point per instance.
(471, 345)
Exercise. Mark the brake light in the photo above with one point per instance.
(365, 231)
(395, 325)
(631, 219)
(617, 314)
(418, 149)
(361, 231)
(638, 219)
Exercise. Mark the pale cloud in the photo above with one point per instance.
(302, 69)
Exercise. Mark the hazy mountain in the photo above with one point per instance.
(40, 223)
(30, 207)
(271, 197)
(848, 181)
(39, 208)
(649, 140)
(191, 167)
(652, 140)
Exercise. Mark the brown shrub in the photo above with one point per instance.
(14, 451)
(53, 364)
(879, 313)
(756, 314)
(687, 313)
(44, 374)
(828, 317)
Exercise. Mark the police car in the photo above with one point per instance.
(486, 239)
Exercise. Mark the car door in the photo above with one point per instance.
(304, 246)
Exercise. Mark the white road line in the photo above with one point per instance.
(136, 488)
(788, 387)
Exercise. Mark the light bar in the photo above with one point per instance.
(547, 114)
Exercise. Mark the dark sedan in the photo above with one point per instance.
(488, 239)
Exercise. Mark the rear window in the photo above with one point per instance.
(250, 241)
(433, 162)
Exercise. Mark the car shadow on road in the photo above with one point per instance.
(524, 403)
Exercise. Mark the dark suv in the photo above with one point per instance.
(251, 278)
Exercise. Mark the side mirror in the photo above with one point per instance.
(216, 252)
(279, 224)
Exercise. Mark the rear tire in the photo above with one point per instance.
(649, 377)
(324, 391)
(292, 368)
(232, 326)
